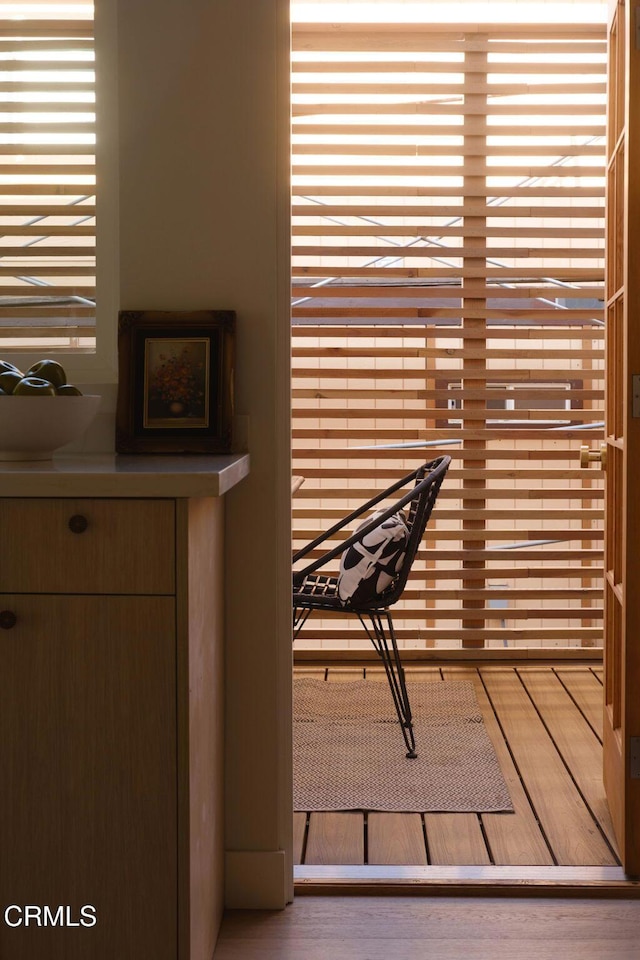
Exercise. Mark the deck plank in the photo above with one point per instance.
(335, 838)
(423, 673)
(574, 739)
(586, 690)
(411, 673)
(396, 838)
(455, 839)
(344, 674)
(313, 673)
(299, 830)
(514, 838)
(568, 825)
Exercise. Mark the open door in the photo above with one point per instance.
(622, 448)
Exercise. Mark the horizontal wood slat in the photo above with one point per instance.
(550, 351)
(53, 330)
(444, 171)
(487, 533)
(487, 415)
(359, 495)
(33, 108)
(435, 86)
(47, 227)
(507, 513)
(430, 636)
(488, 613)
(405, 68)
(447, 225)
(481, 292)
(438, 109)
(469, 32)
(382, 436)
(510, 374)
(472, 207)
(364, 149)
(462, 333)
(409, 457)
(413, 313)
(36, 28)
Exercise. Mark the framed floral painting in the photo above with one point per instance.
(175, 388)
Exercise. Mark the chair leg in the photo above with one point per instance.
(300, 616)
(395, 675)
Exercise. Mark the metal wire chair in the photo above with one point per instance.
(316, 591)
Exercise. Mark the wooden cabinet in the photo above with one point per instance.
(111, 727)
(93, 546)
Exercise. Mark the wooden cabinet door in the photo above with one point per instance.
(622, 558)
(88, 810)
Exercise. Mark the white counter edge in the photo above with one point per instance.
(124, 475)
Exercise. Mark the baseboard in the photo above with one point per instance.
(256, 880)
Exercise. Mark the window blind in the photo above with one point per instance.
(47, 177)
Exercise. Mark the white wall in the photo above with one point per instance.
(203, 223)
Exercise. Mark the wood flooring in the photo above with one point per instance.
(434, 928)
(546, 726)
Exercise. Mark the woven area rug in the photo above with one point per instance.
(349, 753)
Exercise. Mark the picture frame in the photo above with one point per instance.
(175, 385)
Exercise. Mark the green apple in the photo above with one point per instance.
(66, 390)
(34, 386)
(9, 379)
(49, 370)
(5, 366)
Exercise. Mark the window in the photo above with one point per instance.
(47, 177)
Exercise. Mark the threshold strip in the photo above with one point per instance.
(603, 880)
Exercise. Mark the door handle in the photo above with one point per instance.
(587, 455)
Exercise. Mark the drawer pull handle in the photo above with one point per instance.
(8, 619)
(78, 523)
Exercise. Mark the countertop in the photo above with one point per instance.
(124, 475)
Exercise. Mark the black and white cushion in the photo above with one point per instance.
(367, 568)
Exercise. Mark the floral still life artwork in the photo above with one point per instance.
(177, 383)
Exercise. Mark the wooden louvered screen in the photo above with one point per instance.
(47, 178)
(448, 191)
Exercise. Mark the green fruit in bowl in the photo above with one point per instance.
(49, 370)
(9, 380)
(34, 386)
(67, 390)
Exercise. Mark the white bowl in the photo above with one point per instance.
(32, 427)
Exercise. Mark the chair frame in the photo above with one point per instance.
(322, 590)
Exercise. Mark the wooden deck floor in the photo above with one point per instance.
(546, 725)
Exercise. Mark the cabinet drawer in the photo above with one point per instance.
(87, 546)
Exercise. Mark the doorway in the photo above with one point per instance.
(448, 269)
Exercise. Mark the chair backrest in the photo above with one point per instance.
(421, 500)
